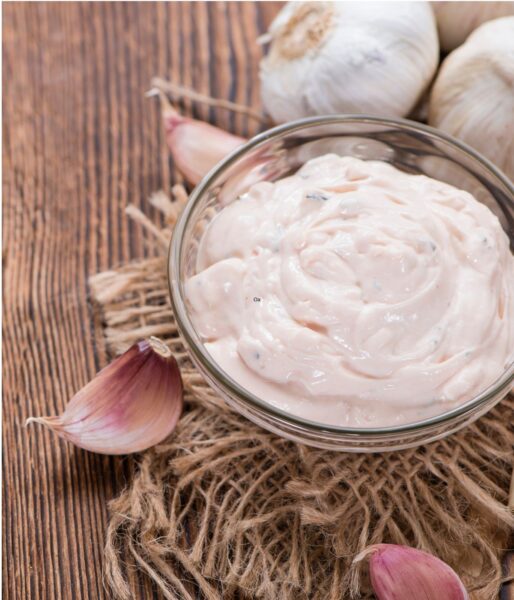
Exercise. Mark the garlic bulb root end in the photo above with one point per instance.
(159, 347)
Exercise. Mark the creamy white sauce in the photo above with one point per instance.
(354, 294)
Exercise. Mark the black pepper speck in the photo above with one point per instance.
(318, 196)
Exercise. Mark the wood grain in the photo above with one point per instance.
(80, 143)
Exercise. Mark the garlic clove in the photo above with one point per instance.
(196, 146)
(129, 406)
(400, 572)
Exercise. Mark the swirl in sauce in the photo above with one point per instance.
(354, 294)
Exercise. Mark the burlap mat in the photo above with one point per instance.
(225, 510)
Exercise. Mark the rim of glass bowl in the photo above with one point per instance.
(195, 344)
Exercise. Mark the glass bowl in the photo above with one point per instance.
(409, 146)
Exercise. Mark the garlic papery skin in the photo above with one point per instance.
(348, 57)
(456, 20)
(403, 573)
(129, 406)
(473, 95)
(196, 146)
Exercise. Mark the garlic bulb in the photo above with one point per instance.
(348, 57)
(130, 405)
(473, 96)
(456, 20)
(403, 573)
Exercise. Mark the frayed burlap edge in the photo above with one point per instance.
(225, 510)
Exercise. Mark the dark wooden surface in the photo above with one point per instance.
(80, 142)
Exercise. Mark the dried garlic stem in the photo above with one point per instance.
(179, 91)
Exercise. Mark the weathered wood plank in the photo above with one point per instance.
(80, 143)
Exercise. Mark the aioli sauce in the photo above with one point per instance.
(354, 294)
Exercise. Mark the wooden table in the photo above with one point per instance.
(80, 143)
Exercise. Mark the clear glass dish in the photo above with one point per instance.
(280, 151)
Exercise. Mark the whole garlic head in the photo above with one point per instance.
(348, 57)
(456, 20)
(473, 95)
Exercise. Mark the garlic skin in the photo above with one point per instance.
(348, 57)
(456, 20)
(129, 406)
(403, 573)
(473, 95)
(196, 146)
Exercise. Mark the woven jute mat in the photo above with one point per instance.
(224, 509)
